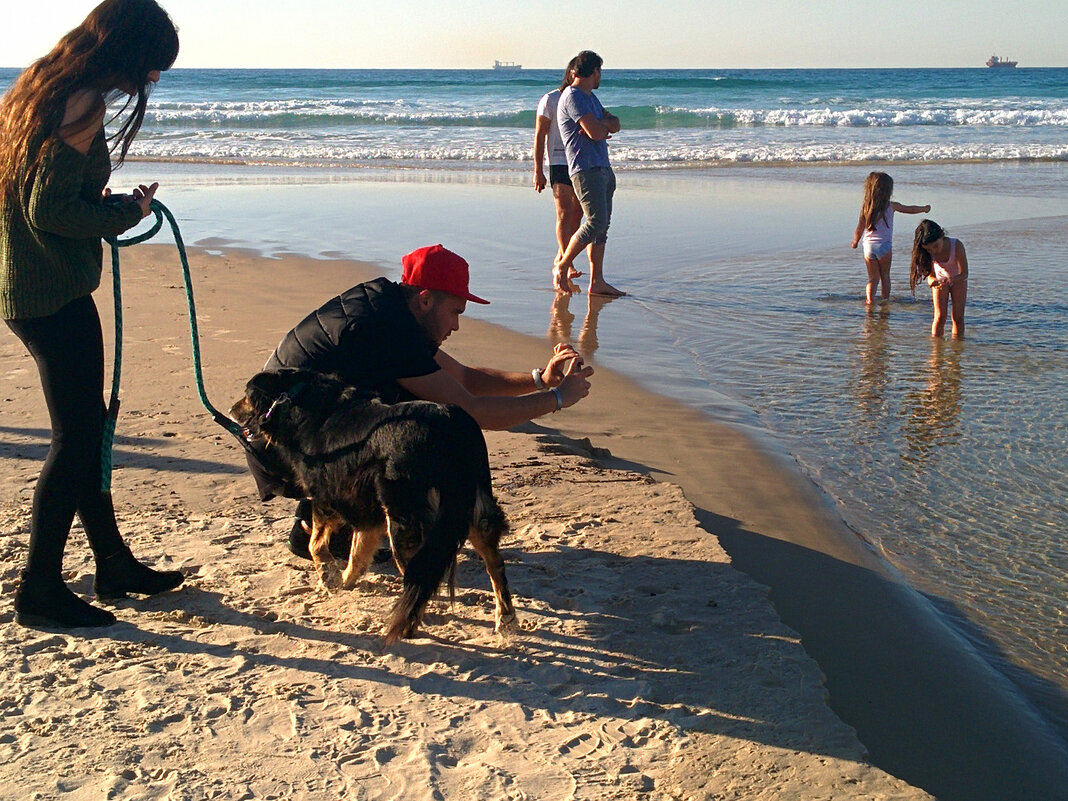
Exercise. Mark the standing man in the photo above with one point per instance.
(568, 210)
(585, 127)
(385, 338)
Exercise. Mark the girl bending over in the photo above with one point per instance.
(943, 264)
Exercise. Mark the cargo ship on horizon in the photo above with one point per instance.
(994, 61)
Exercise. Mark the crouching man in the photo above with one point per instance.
(385, 338)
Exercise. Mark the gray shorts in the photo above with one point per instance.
(594, 189)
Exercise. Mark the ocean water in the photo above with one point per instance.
(673, 117)
(950, 458)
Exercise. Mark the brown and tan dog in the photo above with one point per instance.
(417, 472)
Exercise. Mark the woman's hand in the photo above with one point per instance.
(143, 195)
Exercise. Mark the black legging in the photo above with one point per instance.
(69, 350)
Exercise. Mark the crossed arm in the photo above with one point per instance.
(598, 129)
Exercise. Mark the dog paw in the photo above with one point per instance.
(350, 578)
(329, 576)
(507, 625)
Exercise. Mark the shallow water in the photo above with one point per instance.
(951, 458)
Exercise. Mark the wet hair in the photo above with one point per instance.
(927, 231)
(569, 74)
(586, 63)
(877, 191)
(112, 52)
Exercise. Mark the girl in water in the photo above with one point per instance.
(942, 262)
(876, 230)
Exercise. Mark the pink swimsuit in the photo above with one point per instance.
(949, 269)
(883, 232)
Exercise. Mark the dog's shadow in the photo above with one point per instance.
(624, 637)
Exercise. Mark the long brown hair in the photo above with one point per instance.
(569, 74)
(112, 52)
(877, 191)
(927, 231)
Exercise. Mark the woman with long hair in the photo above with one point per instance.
(547, 143)
(942, 262)
(55, 162)
(875, 229)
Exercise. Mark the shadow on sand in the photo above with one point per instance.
(132, 452)
(929, 708)
(641, 651)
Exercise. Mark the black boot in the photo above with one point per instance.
(120, 574)
(49, 604)
(300, 535)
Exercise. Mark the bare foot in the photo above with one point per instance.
(572, 273)
(605, 288)
(562, 284)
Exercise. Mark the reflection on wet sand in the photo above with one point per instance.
(561, 320)
(870, 381)
(933, 411)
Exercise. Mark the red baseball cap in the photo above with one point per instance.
(434, 267)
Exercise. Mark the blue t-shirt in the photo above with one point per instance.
(582, 152)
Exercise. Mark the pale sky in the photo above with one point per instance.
(627, 33)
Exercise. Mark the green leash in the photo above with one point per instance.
(112, 413)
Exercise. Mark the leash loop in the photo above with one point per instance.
(112, 414)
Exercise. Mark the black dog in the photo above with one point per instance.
(418, 470)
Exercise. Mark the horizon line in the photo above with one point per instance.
(607, 69)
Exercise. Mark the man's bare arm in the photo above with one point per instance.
(500, 411)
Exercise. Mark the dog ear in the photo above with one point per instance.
(262, 390)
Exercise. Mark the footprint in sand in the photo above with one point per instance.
(582, 746)
(160, 723)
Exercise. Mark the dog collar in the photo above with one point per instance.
(285, 398)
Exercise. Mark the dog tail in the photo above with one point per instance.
(424, 575)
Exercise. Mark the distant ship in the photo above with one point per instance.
(511, 66)
(1000, 62)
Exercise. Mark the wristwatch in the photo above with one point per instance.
(539, 384)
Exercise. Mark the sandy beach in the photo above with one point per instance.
(647, 666)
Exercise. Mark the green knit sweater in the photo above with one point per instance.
(50, 248)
